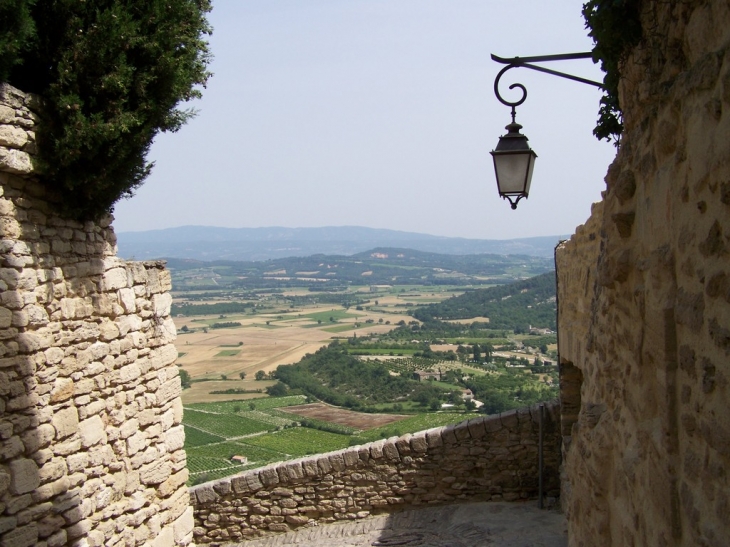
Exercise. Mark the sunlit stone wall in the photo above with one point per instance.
(91, 441)
(644, 302)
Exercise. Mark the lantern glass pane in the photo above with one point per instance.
(529, 172)
(512, 171)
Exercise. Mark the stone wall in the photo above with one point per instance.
(644, 294)
(91, 441)
(485, 458)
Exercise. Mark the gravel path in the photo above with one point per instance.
(491, 524)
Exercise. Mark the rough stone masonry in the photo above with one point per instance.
(91, 441)
(644, 292)
(486, 458)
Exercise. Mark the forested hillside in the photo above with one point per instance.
(514, 306)
(334, 376)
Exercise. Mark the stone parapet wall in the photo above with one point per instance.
(485, 458)
(644, 301)
(91, 441)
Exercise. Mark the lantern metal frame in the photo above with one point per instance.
(515, 142)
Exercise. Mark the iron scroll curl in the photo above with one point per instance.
(527, 62)
(513, 104)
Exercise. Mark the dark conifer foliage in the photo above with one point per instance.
(111, 74)
(16, 31)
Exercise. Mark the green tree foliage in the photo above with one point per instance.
(111, 75)
(517, 305)
(225, 325)
(277, 390)
(260, 375)
(615, 28)
(334, 376)
(16, 31)
(185, 379)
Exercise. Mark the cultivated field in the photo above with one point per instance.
(262, 342)
(333, 414)
(268, 430)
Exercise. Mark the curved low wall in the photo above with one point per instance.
(485, 458)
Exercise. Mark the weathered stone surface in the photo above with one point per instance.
(155, 472)
(66, 422)
(24, 476)
(92, 431)
(175, 438)
(644, 314)
(15, 161)
(78, 467)
(23, 536)
(12, 137)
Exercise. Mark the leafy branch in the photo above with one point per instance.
(615, 28)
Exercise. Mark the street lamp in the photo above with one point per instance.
(514, 160)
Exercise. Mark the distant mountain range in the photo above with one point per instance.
(210, 243)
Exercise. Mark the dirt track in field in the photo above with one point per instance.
(358, 420)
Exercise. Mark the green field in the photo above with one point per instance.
(419, 422)
(224, 425)
(340, 328)
(301, 441)
(258, 430)
(335, 314)
(228, 353)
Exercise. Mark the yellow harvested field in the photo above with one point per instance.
(444, 347)
(256, 346)
(199, 392)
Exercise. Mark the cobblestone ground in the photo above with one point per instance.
(465, 525)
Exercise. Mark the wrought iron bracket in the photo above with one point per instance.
(526, 62)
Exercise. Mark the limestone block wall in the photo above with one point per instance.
(644, 302)
(485, 458)
(91, 441)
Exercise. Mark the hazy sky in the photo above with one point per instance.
(379, 113)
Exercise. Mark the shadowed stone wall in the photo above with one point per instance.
(644, 293)
(485, 458)
(91, 441)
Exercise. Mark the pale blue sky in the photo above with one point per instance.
(378, 113)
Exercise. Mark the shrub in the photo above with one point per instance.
(615, 28)
(111, 75)
(185, 379)
(16, 31)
